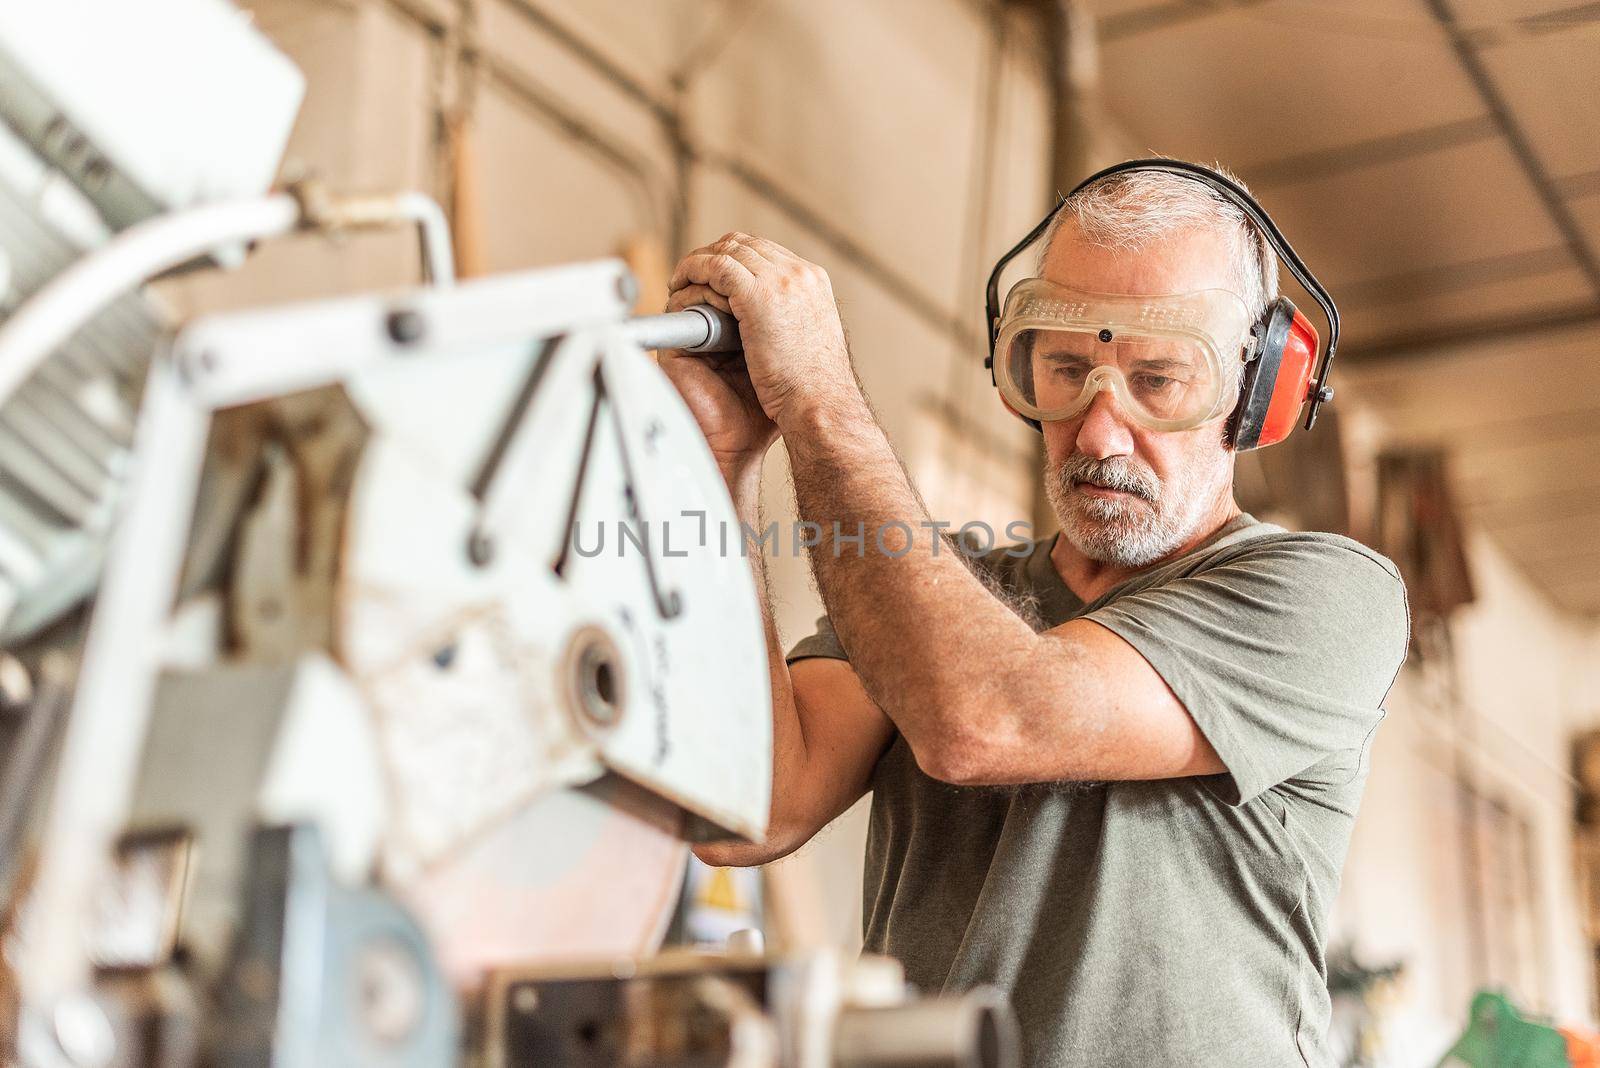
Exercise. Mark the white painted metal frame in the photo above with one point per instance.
(235, 359)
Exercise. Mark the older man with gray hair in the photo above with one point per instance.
(1114, 772)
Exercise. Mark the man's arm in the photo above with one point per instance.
(826, 732)
(980, 697)
(977, 694)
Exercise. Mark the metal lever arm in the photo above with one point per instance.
(701, 328)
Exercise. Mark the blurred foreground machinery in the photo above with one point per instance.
(365, 665)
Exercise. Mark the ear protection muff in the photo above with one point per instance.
(1282, 364)
(1277, 381)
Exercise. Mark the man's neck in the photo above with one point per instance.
(1090, 579)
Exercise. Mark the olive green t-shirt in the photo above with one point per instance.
(1179, 921)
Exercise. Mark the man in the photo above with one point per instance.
(1131, 814)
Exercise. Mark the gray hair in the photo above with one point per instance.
(1134, 209)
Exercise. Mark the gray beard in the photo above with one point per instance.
(1123, 533)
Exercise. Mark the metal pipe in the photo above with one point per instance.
(701, 328)
(433, 231)
(111, 704)
(324, 210)
(975, 1030)
(68, 301)
(50, 317)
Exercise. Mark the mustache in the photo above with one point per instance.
(1114, 472)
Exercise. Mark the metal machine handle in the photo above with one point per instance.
(971, 1030)
(701, 328)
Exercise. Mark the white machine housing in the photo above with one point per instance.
(496, 665)
(147, 106)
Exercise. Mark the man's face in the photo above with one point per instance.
(1125, 495)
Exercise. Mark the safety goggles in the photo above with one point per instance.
(1171, 362)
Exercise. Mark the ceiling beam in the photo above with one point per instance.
(1484, 456)
(1562, 18)
(1482, 33)
(1440, 342)
(1133, 22)
(1580, 595)
(1306, 166)
(1544, 428)
(1448, 277)
(1517, 139)
(1583, 584)
(1539, 511)
(1585, 184)
(1534, 562)
(1579, 570)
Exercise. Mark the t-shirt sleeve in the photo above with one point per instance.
(824, 643)
(1282, 653)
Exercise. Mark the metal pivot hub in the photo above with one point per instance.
(597, 680)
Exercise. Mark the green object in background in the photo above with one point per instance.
(1498, 1037)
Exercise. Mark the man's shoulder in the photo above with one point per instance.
(1252, 540)
(1271, 546)
(1282, 578)
(1314, 579)
(1255, 560)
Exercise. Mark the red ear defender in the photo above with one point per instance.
(1293, 387)
(1277, 383)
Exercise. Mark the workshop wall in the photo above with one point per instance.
(1461, 865)
(853, 133)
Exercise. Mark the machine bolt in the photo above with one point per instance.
(480, 549)
(405, 326)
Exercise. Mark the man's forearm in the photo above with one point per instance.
(950, 686)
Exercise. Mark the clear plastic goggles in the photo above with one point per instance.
(1168, 360)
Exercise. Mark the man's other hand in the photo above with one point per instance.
(794, 347)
